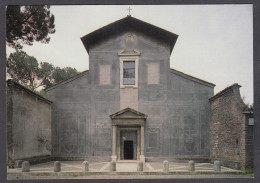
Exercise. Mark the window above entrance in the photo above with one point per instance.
(128, 72)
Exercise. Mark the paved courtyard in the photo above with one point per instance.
(73, 169)
(76, 166)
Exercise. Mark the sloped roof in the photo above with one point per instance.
(83, 73)
(127, 110)
(235, 85)
(192, 78)
(126, 24)
(12, 82)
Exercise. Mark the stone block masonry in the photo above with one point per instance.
(231, 136)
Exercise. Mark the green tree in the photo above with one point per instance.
(26, 24)
(247, 106)
(60, 74)
(26, 70)
(46, 74)
(23, 69)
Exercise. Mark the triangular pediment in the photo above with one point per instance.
(129, 23)
(128, 113)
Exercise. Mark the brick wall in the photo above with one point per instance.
(230, 135)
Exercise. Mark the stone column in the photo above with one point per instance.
(114, 144)
(142, 157)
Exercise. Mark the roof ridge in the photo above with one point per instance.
(129, 23)
(62, 81)
(223, 91)
(29, 90)
(193, 77)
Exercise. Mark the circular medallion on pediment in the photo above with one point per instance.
(129, 41)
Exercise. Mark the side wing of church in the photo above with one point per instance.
(130, 104)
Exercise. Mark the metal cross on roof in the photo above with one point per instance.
(129, 9)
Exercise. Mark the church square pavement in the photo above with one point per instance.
(73, 169)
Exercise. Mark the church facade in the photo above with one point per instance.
(130, 105)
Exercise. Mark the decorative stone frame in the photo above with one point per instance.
(128, 119)
(118, 147)
(129, 59)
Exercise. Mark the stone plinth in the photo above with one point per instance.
(217, 166)
(57, 166)
(140, 166)
(25, 166)
(113, 166)
(18, 164)
(85, 166)
(165, 166)
(191, 166)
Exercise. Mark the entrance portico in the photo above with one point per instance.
(128, 135)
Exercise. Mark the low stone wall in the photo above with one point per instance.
(28, 125)
(230, 133)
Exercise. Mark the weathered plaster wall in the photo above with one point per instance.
(72, 113)
(176, 106)
(28, 124)
(229, 130)
(178, 117)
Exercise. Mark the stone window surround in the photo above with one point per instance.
(125, 59)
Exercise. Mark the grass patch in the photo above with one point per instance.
(249, 172)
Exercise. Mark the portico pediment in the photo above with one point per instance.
(128, 117)
(128, 113)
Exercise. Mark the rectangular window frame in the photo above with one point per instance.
(129, 59)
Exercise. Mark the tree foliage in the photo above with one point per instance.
(26, 24)
(26, 70)
(247, 106)
(60, 74)
(23, 69)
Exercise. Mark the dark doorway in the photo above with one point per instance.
(128, 149)
(128, 144)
